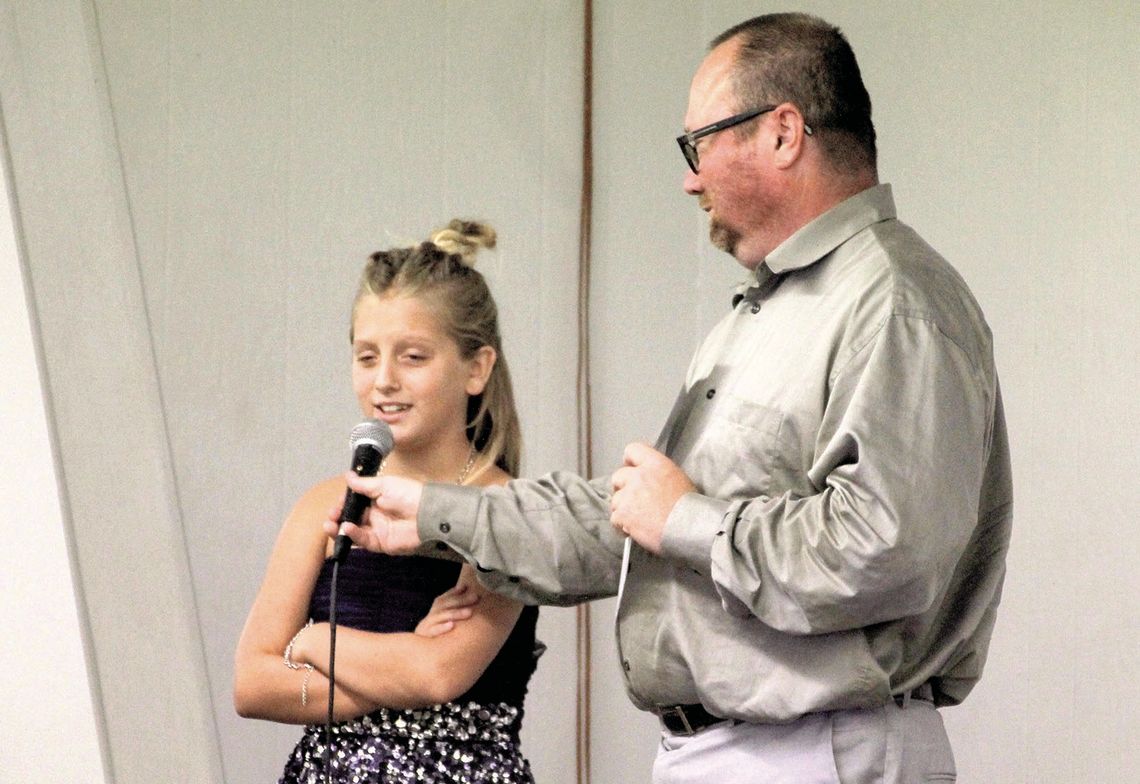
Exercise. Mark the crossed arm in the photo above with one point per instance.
(396, 670)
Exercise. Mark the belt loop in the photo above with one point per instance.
(925, 693)
(679, 712)
(685, 721)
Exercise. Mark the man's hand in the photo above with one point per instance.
(389, 524)
(645, 490)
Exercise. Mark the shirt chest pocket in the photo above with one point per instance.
(737, 448)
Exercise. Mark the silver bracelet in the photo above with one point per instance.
(308, 668)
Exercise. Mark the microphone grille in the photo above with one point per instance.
(375, 431)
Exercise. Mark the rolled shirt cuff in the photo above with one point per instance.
(691, 529)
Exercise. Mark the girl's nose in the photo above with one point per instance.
(386, 377)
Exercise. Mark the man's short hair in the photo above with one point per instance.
(803, 60)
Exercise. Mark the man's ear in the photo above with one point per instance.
(790, 134)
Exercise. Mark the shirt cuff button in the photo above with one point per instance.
(445, 527)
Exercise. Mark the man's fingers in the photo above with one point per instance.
(637, 452)
(365, 485)
(615, 515)
(351, 530)
(372, 537)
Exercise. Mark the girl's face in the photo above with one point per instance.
(407, 372)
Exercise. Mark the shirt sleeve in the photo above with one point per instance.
(544, 541)
(899, 462)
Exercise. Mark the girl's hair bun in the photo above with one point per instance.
(464, 238)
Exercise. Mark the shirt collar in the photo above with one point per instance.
(831, 229)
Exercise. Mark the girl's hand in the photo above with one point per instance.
(449, 607)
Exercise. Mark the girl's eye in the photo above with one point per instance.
(365, 359)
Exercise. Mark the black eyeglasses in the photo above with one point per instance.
(688, 141)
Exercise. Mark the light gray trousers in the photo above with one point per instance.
(887, 745)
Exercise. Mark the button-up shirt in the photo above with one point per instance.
(847, 537)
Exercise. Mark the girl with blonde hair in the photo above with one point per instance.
(412, 703)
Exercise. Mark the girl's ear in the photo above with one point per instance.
(480, 367)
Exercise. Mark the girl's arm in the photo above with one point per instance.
(405, 670)
(264, 688)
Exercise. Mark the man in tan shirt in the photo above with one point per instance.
(810, 559)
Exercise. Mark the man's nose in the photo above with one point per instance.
(692, 182)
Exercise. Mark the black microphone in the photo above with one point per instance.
(371, 441)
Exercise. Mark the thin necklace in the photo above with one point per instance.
(471, 455)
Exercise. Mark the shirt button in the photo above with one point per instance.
(625, 664)
(710, 394)
(445, 527)
(755, 308)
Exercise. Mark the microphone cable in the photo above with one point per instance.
(371, 441)
(332, 669)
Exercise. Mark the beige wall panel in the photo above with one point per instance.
(42, 630)
(649, 287)
(116, 485)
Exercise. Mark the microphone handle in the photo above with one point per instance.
(365, 462)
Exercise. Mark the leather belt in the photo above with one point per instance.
(690, 719)
(687, 719)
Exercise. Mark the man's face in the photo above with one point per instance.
(733, 183)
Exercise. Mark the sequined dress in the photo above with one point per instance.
(471, 740)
